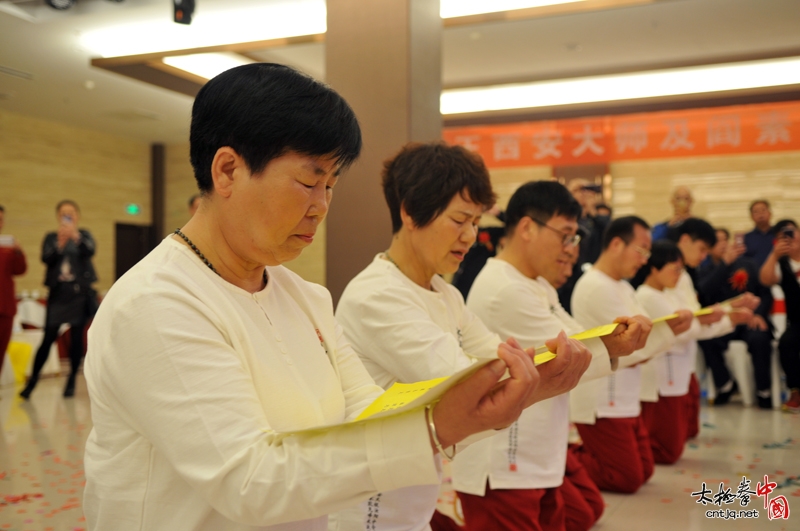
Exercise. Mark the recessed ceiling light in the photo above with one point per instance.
(650, 84)
(462, 8)
(207, 65)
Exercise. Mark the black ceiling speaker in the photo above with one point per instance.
(60, 4)
(183, 11)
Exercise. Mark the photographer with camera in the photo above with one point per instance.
(67, 253)
(783, 267)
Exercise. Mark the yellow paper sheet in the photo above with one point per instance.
(698, 313)
(400, 398)
(398, 395)
(597, 331)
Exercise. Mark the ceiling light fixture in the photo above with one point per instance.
(463, 8)
(650, 84)
(274, 20)
(257, 22)
(207, 65)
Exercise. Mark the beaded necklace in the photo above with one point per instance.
(203, 258)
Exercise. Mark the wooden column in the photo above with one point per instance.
(385, 58)
(157, 192)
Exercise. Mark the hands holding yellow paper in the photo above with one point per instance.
(565, 370)
(681, 322)
(630, 335)
(715, 315)
(482, 402)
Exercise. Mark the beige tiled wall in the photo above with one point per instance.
(723, 187)
(506, 180)
(43, 162)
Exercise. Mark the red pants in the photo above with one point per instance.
(514, 510)
(442, 522)
(616, 453)
(583, 503)
(693, 408)
(666, 423)
(6, 325)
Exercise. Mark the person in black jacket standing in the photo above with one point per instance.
(725, 275)
(783, 267)
(68, 255)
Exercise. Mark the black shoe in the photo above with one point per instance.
(26, 393)
(764, 399)
(69, 390)
(724, 396)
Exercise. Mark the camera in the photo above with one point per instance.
(787, 232)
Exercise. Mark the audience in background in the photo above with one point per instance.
(591, 228)
(682, 202)
(12, 263)
(782, 266)
(725, 275)
(603, 209)
(67, 253)
(758, 242)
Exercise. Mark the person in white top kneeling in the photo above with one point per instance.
(616, 447)
(408, 324)
(512, 481)
(208, 356)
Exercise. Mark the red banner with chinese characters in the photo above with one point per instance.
(715, 131)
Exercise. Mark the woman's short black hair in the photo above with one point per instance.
(622, 228)
(696, 228)
(424, 178)
(265, 110)
(662, 253)
(540, 200)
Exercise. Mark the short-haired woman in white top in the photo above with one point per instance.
(407, 323)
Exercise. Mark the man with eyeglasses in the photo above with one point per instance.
(514, 295)
(616, 446)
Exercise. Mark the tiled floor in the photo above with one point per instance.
(41, 472)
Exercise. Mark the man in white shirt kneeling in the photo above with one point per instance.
(511, 480)
(616, 446)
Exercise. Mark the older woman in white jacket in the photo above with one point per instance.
(208, 356)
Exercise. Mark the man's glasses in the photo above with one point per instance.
(567, 240)
(642, 251)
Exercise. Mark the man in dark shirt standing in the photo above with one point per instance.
(591, 227)
(728, 274)
(759, 240)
